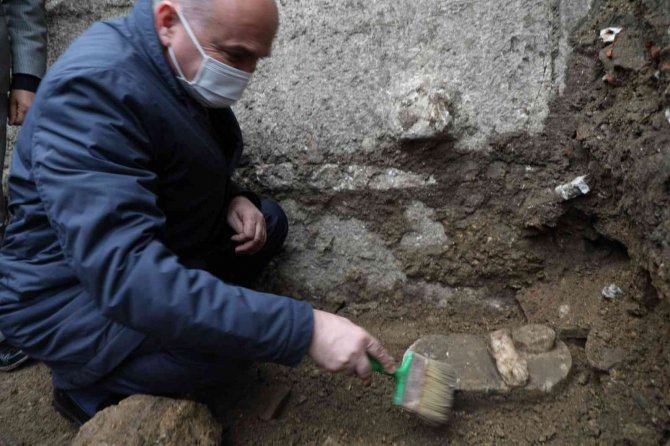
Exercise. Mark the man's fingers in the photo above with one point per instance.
(239, 238)
(364, 370)
(249, 227)
(377, 351)
(259, 233)
(245, 248)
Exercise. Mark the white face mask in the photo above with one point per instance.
(215, 85)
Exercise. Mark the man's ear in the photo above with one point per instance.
(165, 19)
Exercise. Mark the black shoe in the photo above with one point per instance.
(75, 405)
(10, 357)
(68, 408)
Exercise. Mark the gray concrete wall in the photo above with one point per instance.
(351, 84)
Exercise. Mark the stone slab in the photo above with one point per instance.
(476, 371)
(468, 355)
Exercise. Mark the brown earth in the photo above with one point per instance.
(511, 238)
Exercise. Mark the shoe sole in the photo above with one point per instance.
(67, 411)
(9, 368)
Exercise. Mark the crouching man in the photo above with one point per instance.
(128, 240)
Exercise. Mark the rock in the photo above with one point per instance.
(611, 291)
(573, 189)
(512, 367)
(583, 378)
(273, 402)
(334, 177)
(476, 369)
(534, 338)
(147, 420)
(331, 257)
(421, 110)
(598, 352)
(627, 53)
(426, 235)
(548, 370)
(608, 35)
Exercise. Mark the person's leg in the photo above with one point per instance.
(244, 269)
(149, 370)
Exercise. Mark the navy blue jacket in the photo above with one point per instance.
(118, 179)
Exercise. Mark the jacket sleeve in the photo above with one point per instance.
(92, 163)
(28, 33)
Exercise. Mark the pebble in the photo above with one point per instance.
(583, 378)
(612, 291)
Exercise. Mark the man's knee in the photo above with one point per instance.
(276, 221)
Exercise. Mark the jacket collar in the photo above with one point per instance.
(142, 20)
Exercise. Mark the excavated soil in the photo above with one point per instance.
(546, 260)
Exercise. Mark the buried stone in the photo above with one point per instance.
(497, 363)
(573, 189)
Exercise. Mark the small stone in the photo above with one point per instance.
(573, 189)
(534, 338)
(512, 367)
(583, 378)
(611, 291)
(273, 402)
(608, 35)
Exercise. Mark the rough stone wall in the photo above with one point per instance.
(412, 143)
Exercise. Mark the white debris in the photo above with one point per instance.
(612, 291)
(609, 34)
(573, 189)
(667, 114)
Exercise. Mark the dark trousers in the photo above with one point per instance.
(156, 369)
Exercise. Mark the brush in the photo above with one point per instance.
(423, 386)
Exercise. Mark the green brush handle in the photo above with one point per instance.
(377, 367)
(400, 375)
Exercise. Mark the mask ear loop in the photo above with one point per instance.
(191, 34)
(175, 63)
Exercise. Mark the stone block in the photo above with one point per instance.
(534, 338)
(147, 420)
(474, 364)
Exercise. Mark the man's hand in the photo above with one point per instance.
(249, 225)
(19, 104)
(340, 345)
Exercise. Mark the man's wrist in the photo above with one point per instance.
(22, 81)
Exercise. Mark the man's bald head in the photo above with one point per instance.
(235, 32)
(200, 11)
